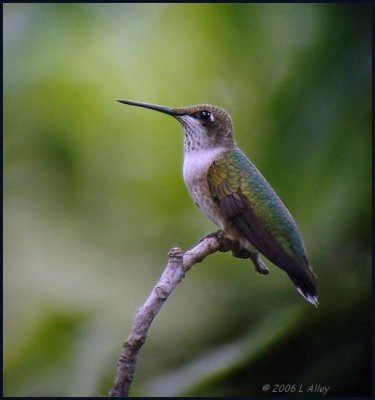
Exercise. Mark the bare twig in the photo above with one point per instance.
(174, 272)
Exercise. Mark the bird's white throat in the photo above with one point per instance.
(197, 162)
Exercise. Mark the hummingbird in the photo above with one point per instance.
(232, 193)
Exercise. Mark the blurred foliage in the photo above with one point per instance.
(94, 198)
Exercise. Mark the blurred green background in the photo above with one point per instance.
(94, 196)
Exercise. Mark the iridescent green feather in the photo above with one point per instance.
(233, 174)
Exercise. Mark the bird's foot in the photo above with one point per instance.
(260, 267)
(218, 234)
(225, 244)
(238, 251)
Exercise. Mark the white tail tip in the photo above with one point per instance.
(311, 299)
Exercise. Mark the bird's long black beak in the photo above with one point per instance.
(163, 109)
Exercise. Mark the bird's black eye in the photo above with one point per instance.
(205, 114)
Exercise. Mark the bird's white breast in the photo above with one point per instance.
(196, 165)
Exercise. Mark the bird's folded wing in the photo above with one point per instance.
(227, 187)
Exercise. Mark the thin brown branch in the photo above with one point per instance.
(178, 265)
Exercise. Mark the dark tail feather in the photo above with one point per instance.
(306, 285)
